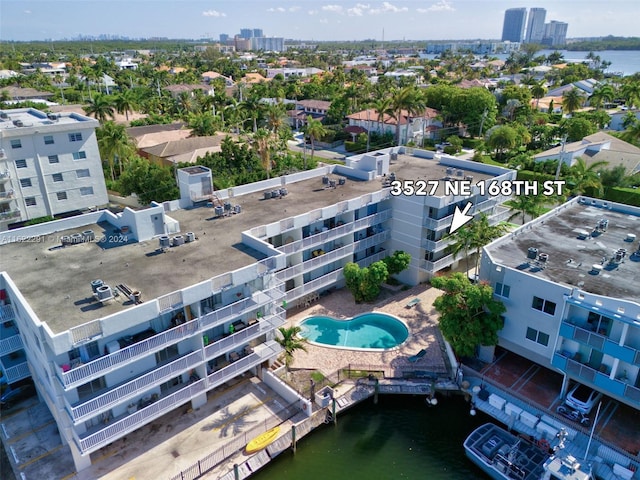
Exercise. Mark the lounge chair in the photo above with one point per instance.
(413, 303)
(417, 356)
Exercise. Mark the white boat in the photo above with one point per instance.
(503, 456)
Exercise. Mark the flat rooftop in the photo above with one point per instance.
(572, 254)
(56, 280)
(30, 117)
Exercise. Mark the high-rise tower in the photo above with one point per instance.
(514, 21)
(535, 25)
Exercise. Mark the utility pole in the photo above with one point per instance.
(368, 130)
(484, 116)
(561, 159)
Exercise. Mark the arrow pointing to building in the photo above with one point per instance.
(460, 217)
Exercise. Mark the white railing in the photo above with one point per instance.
(365, 262)
(6, 313)
(100, 366)
(337, 232)
(314, 285)
(7, 195)
(10, 344)
(434, 246)
(328, 257)
(170, 302)
(5, 175)
(438, 264)
(239, 308)
(10, 214)
(134, 388)
(434, 224)
(129, 423)
(266, 324)
(86, 331)
(260, 353)
(17, 372)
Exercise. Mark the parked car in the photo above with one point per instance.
(582, 398)
(13, 395)
(575, 415)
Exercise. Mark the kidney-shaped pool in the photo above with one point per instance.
(367, 331)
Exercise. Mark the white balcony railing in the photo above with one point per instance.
(83, 373)
(95, 440)
(6, 313)
(434, 224)
(17, 372)
(10, 344)
(9, 215)
(135, 387)
(438, 264)
(314, 285)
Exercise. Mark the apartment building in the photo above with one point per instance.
(149, 310)
(513, 24)
(569, 280)
(49, 165)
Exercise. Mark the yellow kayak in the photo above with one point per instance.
(262, 440)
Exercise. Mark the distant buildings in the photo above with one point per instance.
(552, 34)
(535, 25)
(478, 48)
(513, 26)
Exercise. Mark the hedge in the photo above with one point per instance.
(628, 196)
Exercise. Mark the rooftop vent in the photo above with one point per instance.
(4, 115)
(459, 173)
(52, 116)
(18, 123)
(394, 156)
(164, 241)
(449, 171)
(178, 240)
(543, 257)
(532, 253)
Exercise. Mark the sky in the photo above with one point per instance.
(303, 19)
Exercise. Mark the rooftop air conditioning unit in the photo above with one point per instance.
(4, 115)
(18, 123)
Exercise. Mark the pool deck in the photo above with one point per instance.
(423, 334)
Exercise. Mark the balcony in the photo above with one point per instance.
(8, 215)
(600, 341)
(438, 264)
(7, 196)
(5, 176)
(327, 280)
(10, 340)
(100, 436)
(335, 233)
(98, 367)
(434, 246)
(115, 395)
(433, 224)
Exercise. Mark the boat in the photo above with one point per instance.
(262, 440)
(504, 456)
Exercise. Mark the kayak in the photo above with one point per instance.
(262, 440)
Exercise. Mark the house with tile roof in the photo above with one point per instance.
(184, 150)
(414, 128)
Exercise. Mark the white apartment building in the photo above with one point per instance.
(125, 317)
(569, 280)
(49, 165)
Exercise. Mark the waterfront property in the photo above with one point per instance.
(151, 309)
(570, 282)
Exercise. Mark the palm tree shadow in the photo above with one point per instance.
(230, 424)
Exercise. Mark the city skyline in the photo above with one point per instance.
(23, 20)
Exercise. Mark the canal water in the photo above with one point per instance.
(399, 438)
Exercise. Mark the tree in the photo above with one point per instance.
(397, 262)
(631, 93)
(262, 144)
(501, 138)
(577, 128)
(475, 235)
(469, 315)
(538, 91)
(462, 243)
(582, 177)
(290, 342)
(125, 102)
(602, 94)
(571, 100)
(150, 182)
(364, 283)
(404, 100)
(115, 145)
(314, 130)
(101, 107)
(629, 119)
(632, 133)
(532, 205)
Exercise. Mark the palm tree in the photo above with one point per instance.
(538, 91)
(382, 106)
(631, 93)
(462, 243)
(253, 107)
(571, 100)
(275, 117)
(629, 119)
(290, 342)
(601, 95)
(632, 133)
(125, 102)
(582, 177)
(314, 130)
(101, 107)
(483, 234)
(531, 205)
(115, 145)
(406, 100)
(262, 143)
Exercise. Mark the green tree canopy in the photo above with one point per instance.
(469, 315)
(290, 341)
(149, 181)
(577, 128)
(397, 262)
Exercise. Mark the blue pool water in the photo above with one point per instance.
(369, 330)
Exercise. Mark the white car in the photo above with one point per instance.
(582, 398)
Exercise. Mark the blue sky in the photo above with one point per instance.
(303, 19)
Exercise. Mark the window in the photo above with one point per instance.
(16, 144)
(84, 191)
(30, 201)
(48, 139)
(25, 182)
(62, 195)
(543, 305)
(75, 137)
(54, 159)
(57, 177)
(84, 173)
(21, 163)
(502, 290)
(79, 155)
(538, 337)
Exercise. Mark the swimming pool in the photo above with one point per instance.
(367, 331)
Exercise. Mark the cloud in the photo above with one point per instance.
(387, 8)
(27, 12)
(294, 9)
(313, 12)
(358, 10)
(441, 6)
(277, 9)
(213, 13)
(332, 8)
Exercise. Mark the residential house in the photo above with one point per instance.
(185, 150)
(150, 135)
(599, 147)
(413, 127)
(316, 109)
(208, 77)
(293, 72)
